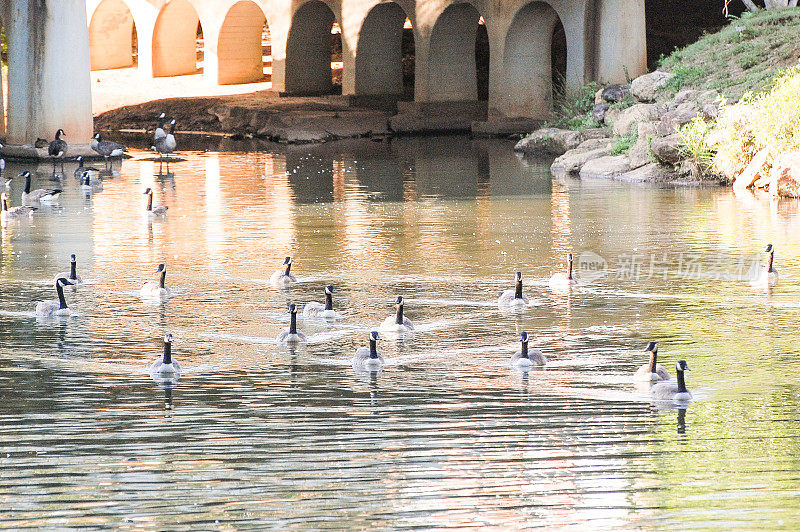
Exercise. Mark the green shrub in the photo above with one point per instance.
(694, 147)
(573, 107)
(622, 144)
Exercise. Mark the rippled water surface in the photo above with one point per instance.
(448, 435)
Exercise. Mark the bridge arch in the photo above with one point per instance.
(239, 57)
(309, 49)
(175, 39)
(113, 41)
(379, 67)
(528, 62)
(457, 66)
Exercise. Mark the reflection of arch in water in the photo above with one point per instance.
(309, 50)
(240, 47)
(458, 63)
(113, 42)
(385, 45)
(175, 39)
(528, 61)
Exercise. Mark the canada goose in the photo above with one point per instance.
(671, 390)
(166, 365)
(314, 309)
(72, 275)
(561, 281)
(397, 322)
(284, 277)
(160, 133)
(78, 173)
(291, 335)
(6, 180)
(156, 289)
(526, 358)
(88, 187)
(155, 212)
(54, 307)
(107, 148)
(369, 357)
(652, 371)
(511, 299)
(40, 195)
(769, 275)
(13, 213)
(166, 144)
(57, 149)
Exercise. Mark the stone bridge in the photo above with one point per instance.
(53, 45)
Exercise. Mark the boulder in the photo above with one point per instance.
(753, 171)
(650, 173)
(599, 111)
(572, 161)
(628, 118)
(686, 95)
(608, 166)
(615, 93)
(644, 88)
(785, 176)
(710, 112)
(672, 121)
(549, 141)
(666, 149)
(594, 133)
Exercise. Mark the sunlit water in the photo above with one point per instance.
(448, 435)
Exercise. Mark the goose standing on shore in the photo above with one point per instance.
(768, 276)
(57, 149)
(13, 213)
(513, 299)
(54, 307)
(526, 358)
(671, 390)
(368, 358)
(291, 335)
(72, 275)
(157, 289)
(313, 309)
(652, 371)
(40, 195)
(154, 212)
(397, 322)
(165, 365)
(107, 148)
(563, 281)
(283, 278)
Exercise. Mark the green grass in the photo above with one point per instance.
(623, 144)
(573, 109)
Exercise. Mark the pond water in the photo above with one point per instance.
(447, 435)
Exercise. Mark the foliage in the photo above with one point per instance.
(694, 147)
(623, 143)
(573, 108)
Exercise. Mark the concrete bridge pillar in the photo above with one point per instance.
(49, 80)
(621, 40)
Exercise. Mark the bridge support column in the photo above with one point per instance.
(49, 80)
(621, 41)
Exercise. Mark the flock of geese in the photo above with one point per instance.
(365, 358)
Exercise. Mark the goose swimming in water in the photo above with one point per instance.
(57, 149)
(513, 299)
(72, 275)
(40, 195)
(283, 278)
(55, 307)
(165, 365)
(13, 213)
(291, 335)
(78, 173)
(154, 212)
(313, 309)
(671, 390)
(769, 275)
(652, 371)
(368, 357)
(107, 148)
(397, 322)
(156, 289)
(525, 357)
(88, 187)
(561, 281)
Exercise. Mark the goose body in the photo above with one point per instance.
(156, 289)
(513, 299)
(313, 309)
(154, 212)
(368, 358)
(769, 275)
(291, 335)
(652, 371)
(58, 146)
(166, 144)
(165, 365)
(527, 358)
(160, 133)
(40, 195)
(674, 391)
(107, 148)
(54, 307)
(13, 213)
(284, 277)
(397, 322)
(72, 275)
(563, 281)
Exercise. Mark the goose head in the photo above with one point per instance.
(330, 289)
(399, 301)
(287, 261)
(292, 308)
(523, 337)
(161, 268)
(374, 336)
(518, 277)
(148, 190)
(769, 248)
(97, 137)
(26, 174)
(72, 258)
(60, 133)
(79, 159)
(652, 347)
(681, 366)
(63, 281)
